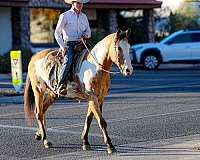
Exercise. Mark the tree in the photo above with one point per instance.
(186, 16)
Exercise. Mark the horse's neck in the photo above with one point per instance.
(100, 53)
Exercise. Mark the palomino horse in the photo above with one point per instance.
(94, 76)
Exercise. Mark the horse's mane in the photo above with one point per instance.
(106, 39)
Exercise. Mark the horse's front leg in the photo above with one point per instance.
(84, 136)
(88, 121)
(95, 108)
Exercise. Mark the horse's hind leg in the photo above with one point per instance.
(47, 102)
(94, 106)
(39, 98)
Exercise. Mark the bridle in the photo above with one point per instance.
(111, 72)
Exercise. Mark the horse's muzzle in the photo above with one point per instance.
(128, 71)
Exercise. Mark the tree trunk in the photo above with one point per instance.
(149, 28)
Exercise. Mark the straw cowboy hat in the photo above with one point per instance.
(81, 1)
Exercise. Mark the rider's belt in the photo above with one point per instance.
(72, 42)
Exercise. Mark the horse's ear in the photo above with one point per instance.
(119, 31)
(128, 33)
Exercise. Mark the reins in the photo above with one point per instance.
(111, 72)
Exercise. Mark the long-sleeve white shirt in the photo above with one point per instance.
(70, 27)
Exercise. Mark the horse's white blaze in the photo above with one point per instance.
(127, 61)
(39, 69)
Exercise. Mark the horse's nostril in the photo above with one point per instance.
(127, 70)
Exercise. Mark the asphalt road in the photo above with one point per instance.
(147, 109)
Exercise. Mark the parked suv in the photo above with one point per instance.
(180, 47)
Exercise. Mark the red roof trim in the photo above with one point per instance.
(13, 3)
(132, 2)
(123, 4)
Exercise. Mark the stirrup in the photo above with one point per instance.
(59, 91)
(56, 89)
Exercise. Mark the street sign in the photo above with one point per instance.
(16, 69)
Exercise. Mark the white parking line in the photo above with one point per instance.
(61, 108)
(50, 109)
(64, 131)
(128, 119)
(57, 130)
(11, 114)
(151, 116)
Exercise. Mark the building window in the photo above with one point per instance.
(42, 24)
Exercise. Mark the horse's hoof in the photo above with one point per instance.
(38, 137)
(86, 147)
(111, 150)
(47, 144)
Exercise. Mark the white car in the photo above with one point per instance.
(180, 47)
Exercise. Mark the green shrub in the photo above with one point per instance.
(180, 21)
(137, 30)
(5, 63)
(96, 37)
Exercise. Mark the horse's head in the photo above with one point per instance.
(120, 52)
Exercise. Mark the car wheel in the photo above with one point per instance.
(151, 62)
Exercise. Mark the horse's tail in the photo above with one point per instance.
(28, 101)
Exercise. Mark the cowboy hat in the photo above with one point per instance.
(81, 1)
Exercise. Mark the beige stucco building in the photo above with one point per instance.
(20, 25)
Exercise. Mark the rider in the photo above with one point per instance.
(71, 27)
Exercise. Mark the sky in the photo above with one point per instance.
(173, 4)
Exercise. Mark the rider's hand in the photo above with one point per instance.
(63, 52)
(85, 37)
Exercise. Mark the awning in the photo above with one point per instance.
(13, 3)
(123, 4)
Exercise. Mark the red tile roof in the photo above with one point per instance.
(9, 3)
(125, 1)
(125, 4)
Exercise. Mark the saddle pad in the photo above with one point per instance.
(53, 67)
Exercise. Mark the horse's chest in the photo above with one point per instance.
(89, 75)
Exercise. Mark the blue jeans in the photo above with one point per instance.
(67, 62)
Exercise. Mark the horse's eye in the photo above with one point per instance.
(119, 48)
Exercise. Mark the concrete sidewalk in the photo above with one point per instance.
(11, 99)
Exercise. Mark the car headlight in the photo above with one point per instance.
(133, 56)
